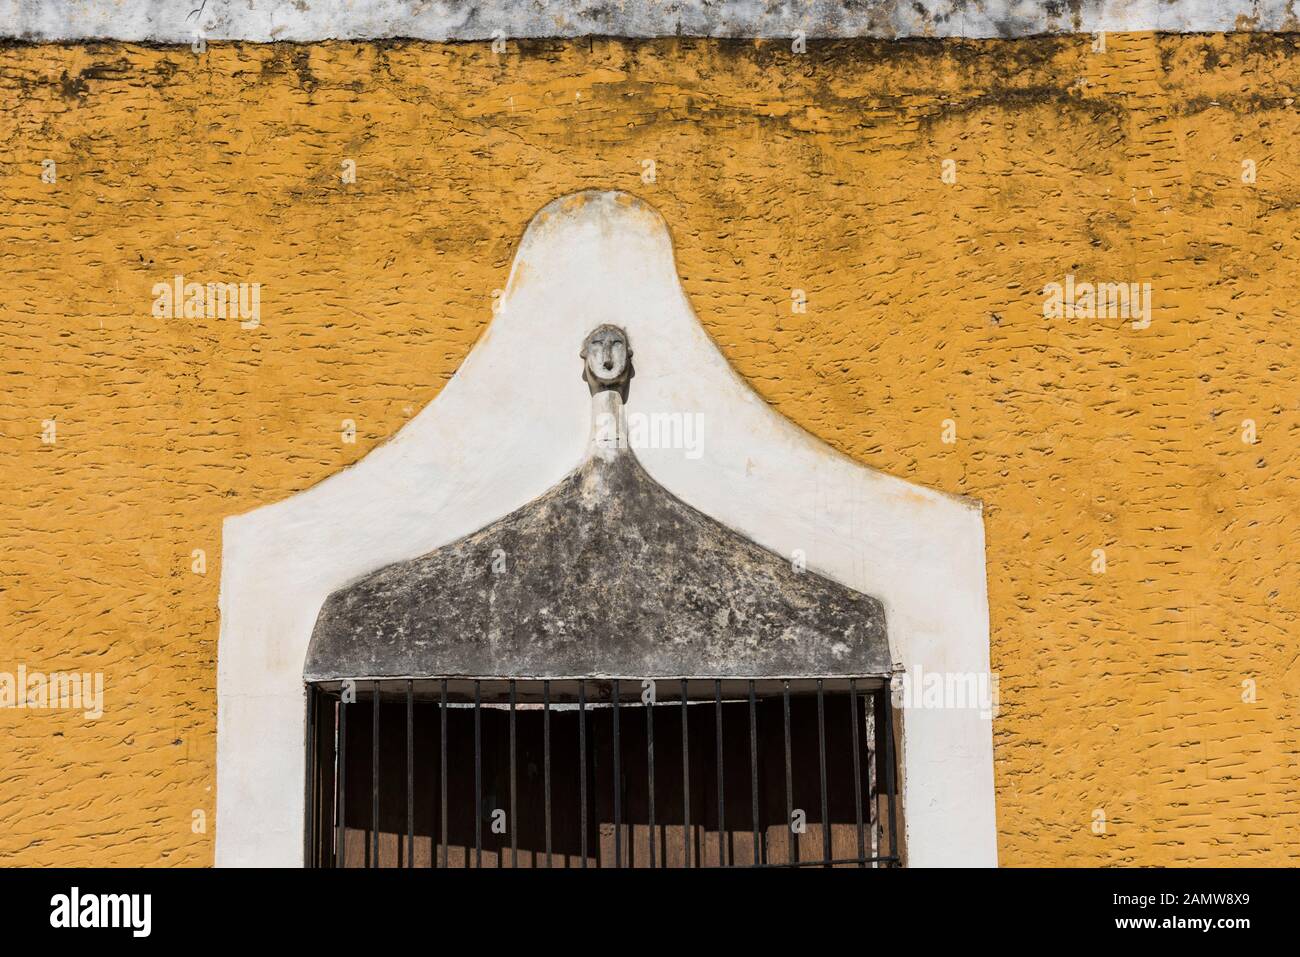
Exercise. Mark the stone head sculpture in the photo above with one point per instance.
(607, 360)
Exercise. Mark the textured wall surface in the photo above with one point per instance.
(1120, 691)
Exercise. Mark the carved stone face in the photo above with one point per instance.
(608, 357)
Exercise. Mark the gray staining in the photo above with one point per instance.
(276, 20)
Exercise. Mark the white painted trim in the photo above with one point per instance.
(510, 424)
(262, 21)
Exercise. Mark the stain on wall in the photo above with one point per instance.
(822, 172)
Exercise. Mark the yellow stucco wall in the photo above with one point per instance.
(776, 171)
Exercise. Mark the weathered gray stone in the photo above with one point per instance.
(607, 574)
(170, 21)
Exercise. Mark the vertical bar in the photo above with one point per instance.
(789, 777)
(582, 768)
(650, 763)
(546, 761)
(686, 779)
(753, 770)
(618, 787)
(722, 814)
(871, 733)
(478, 774)
(857, 772)
(821, 758)
(514, 801)
(442, 781)
(410, 773)
(342, 762)
(373, 851)
(309, 835)
(889, 773)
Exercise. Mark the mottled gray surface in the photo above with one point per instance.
(607, 574)
(302, 20)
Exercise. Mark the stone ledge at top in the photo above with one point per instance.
(266, 21)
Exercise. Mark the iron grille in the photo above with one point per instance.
(601, 773)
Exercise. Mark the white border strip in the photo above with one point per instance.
(263, 21)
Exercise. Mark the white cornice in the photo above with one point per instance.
(178, 21)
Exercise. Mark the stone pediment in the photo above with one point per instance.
(607, 574)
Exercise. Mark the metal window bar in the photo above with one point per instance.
(793, 835)
(582, 772)
(372, 838)
(786, 757)
(650, 770)
(857, 770)
(821, 764)
(313, 781)
(442, 777)
(719, 759)
(617, 783)
(546, 760)
(478, 780)
(686, 776)
(340, 760)
(410, 773)
(753, 773)
(514, 781)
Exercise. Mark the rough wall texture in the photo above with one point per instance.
(822, 172)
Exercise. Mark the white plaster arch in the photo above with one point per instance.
(510, 424)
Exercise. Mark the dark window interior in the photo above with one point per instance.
(565, 742)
